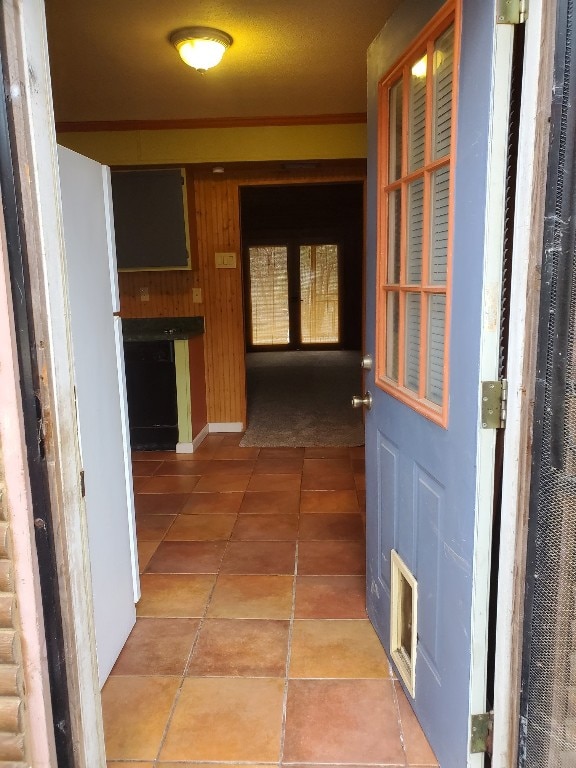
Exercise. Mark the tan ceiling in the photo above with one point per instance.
(111, 59)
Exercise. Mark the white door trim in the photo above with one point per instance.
(27, 68)
(532, 167)
(489, 353)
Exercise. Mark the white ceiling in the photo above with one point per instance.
(111, 59)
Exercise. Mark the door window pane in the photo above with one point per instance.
(442, 100)
(417, 115)
(392, 326)
(395, 145)
(394, 240)
(436, 332)
(413, 248)
(269, 295)
(319, 294)
(412, 362)
(415, 226)
(439, 222)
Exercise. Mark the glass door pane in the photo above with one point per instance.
(395, 122)
(412, 350)
(442, 100)
(436, 334)
(417, 115)
(440, 220)
(269, 295)
(414, 235)
(319, 300)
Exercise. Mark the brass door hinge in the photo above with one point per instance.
(481, 732)
(511, 11)
(494, 404)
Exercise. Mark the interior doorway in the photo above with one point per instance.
(303, 299)
(293, 295)
(303, 265)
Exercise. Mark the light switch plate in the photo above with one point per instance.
(144, 293)
(225, 260)
(197, 295)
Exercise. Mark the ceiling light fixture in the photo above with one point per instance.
(200, 47)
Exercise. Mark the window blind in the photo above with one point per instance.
(412, 363)
(436, 331)
(417, 116)
(415, 231)
(392, 338)
(440, 219)
(396, 132)
(269, 295)
(442, 116)
(319, 294)
(394, 240)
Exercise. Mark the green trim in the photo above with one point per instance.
(183, 394)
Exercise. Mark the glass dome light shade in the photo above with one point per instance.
(201, 47)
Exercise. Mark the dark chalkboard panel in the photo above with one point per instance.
(149, 219)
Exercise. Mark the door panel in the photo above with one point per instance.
(422, 463)
(101, 404)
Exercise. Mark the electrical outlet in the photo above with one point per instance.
(197, 295)
(144, 293)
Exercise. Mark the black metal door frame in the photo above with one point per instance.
(550, 386)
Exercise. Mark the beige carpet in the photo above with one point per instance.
(303, 399)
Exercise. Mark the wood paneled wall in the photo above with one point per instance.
(214, 217)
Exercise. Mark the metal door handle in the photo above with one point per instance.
(366, 362)
(366, 401)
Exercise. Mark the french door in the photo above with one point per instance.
(293, 295)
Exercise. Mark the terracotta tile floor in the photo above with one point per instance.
(252, 646)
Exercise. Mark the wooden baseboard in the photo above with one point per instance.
(226, 426)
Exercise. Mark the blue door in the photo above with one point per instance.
(437, 135)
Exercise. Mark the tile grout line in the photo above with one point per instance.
(184, 676)
(290, 635)
(189, 659)
(397, 705)
(288, 659)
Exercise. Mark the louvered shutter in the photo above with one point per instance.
(439, 219)
(436, 333)
(396, 131)
(415, 216)
(442, 100)
(417, 116)
(412, 371)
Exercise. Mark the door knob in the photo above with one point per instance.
(366, 362)
(366, 401)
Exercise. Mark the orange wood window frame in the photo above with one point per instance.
(423, 45)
